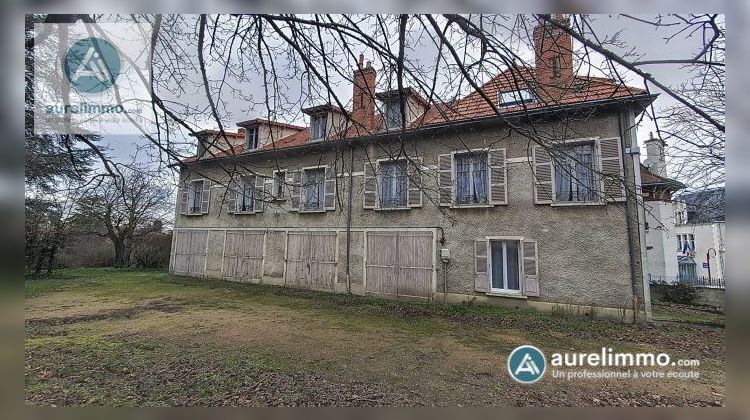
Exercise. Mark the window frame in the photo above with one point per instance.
(278, 188)
(254, 138)
(518, 96)
(190, 211)
(454, 178)
(511, 293)
(595, 172)
(241, 195)
(394, 104)
(315, 121)
(303, 194)
(379, 178)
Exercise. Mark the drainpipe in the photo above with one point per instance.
(634, 152)
(349, 223)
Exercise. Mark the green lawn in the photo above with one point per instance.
(113, 337)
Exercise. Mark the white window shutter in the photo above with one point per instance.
(481, 278)
(329, 189)
(445, 180)
(544, 176)
(610, 157)
(259, 194)
(414, 191)
(370, 187)
(294, 198)
(205, 196)
(498, 177)
(530, 268)
(184, 192)
(232, 196)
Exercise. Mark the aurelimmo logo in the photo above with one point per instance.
(526, 364)
(92, 65)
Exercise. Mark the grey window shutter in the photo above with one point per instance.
(184, 191)
(530, 268)
(370, 187)
(232, 189)
(610, 155)
(414, 191)
(544, 185)
(498, 177)
(296, 190)
(330, 189)
(481, 279)
(205, 196)
(259, 193)
(445, 180)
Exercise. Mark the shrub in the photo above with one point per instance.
(676, 292)
(152, 250)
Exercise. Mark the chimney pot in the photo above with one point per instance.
(369, 64)
(361, 60)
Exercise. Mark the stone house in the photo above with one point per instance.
(403, 198)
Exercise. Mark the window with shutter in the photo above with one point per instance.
(330, 189)
(414, 198)
(205, 197)
(245, 200)
(184, 194)
(471, 178)
(530, 268)
(445, 180)
(313, 190)
(544, 188)
(233, 190)
(393, 182)
(296, 194)
(259, 194)
(610, 154)
(370, 196)
(498, 177)
(481, 280)
(197, 197)
(574, 170)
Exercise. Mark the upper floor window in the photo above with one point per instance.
(516, 97)
(318, 125)
(314, 189)
(574, 174)
(393, 184)
(251, 138)
(279, 180)
(195, 196)
(393, 116)
(471, 178)
(246, 198)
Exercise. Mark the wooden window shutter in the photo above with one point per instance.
(294, 198)
(329, 189)
(259, 193)
(481, 279)
(184, 191)
(370, 187)
(232, 189)
(205, 196)
(544, 181)
(530, 268)
(498, 177)
(445, 180)
(414, 191)
(610, 156)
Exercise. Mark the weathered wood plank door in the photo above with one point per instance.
(243, 255)
(311, 259)
(190, 252)
(400, 264)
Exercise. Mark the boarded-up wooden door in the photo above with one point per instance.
(400, 264)
(190, 252)
(243, 255)
(311, 259)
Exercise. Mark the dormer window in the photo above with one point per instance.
(251, 138)
(318, 125)
(393, 116)
(516, 97)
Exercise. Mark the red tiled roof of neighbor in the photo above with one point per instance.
(270, 122)
(217, 133)
(296, 139)
(649, 178)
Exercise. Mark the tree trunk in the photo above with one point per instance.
(120, 253)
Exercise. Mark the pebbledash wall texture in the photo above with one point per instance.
(575, 257)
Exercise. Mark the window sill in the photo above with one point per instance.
(192, 214)
(312, 211)
(472, 206)
(244, 212)
(506, 295)
(392, 208)
(578, 204)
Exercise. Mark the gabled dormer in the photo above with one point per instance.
(414, 107)
(326, 121)
(259, 132)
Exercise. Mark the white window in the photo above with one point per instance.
(472, 178)
(251, 138)
(574, 174)
(195, 196)
(393, 116)
(679, 243)
(314, 190)
(393, 184)
(318, 125)
(505, 266)
(279, 182)
(691, 239)
(246, 196)
(516, 97)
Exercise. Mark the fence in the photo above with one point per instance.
(695, 281)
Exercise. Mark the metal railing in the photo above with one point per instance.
(695, 281)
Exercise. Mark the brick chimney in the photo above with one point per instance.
(655, 161)
(363, 97)
(553, 58)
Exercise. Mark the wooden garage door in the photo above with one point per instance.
(311, 259)
(400, 264)
(190, 252)
(243, 255)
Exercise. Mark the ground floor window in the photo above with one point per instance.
(687, 269)
(505, 264)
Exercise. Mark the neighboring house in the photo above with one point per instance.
(459, 206)
(685, 234)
